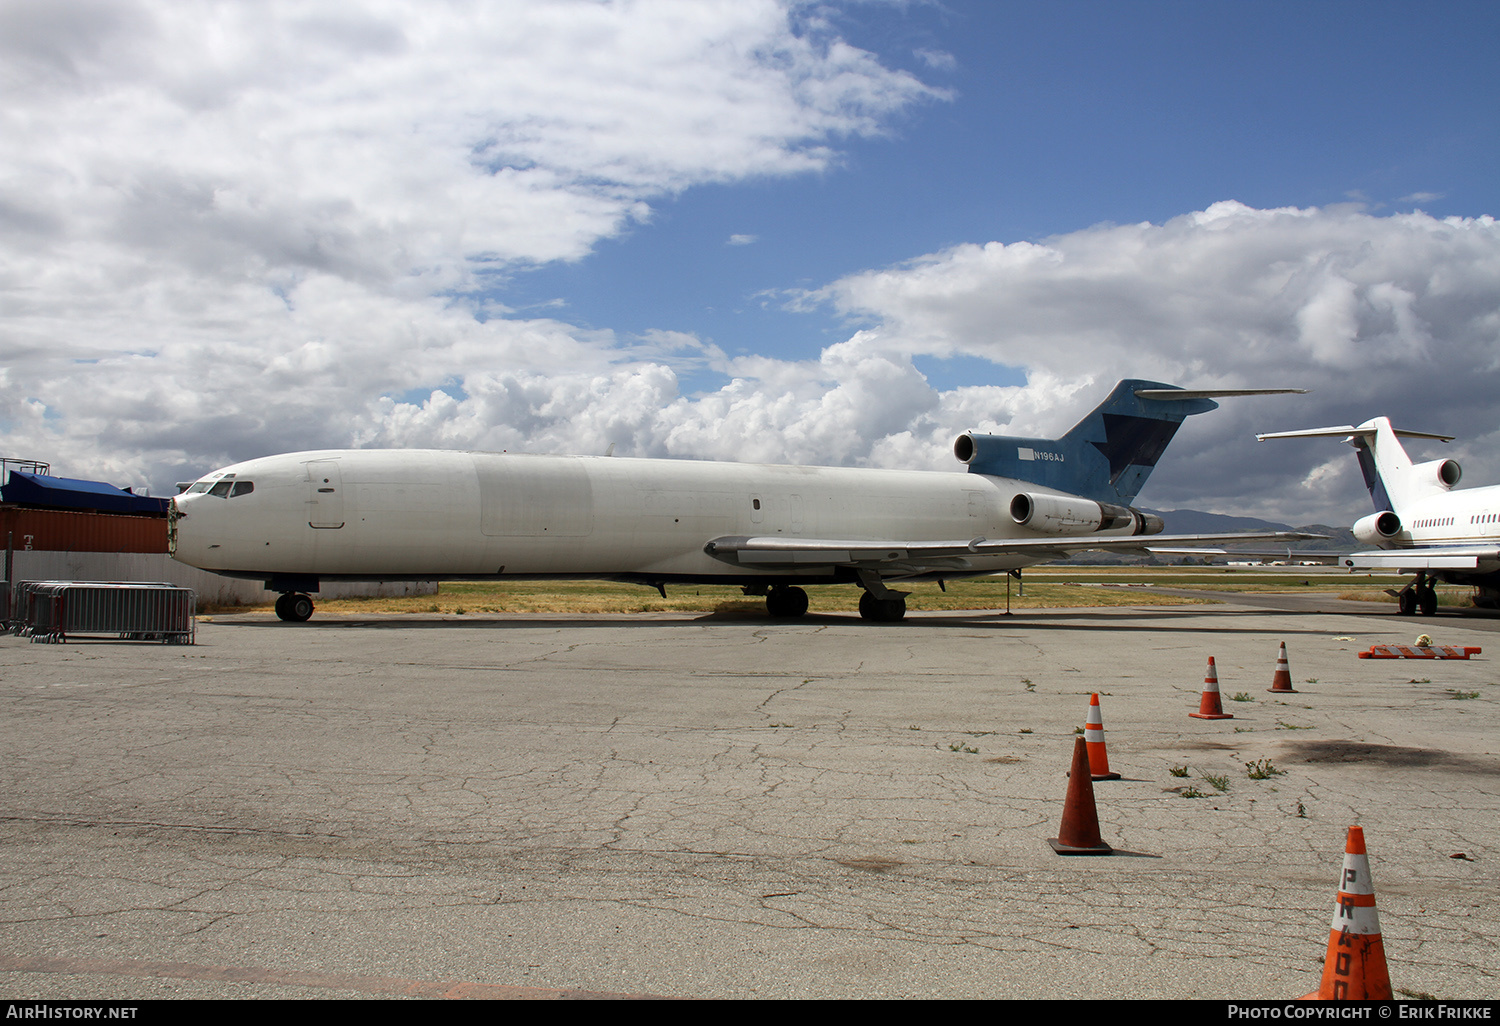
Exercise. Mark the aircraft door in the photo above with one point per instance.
(325, 494)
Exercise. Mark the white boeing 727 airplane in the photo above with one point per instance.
(296, 520)
(1420, 525)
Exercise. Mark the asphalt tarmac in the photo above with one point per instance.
(706, 807)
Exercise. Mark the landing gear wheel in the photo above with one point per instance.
(1427, 601)
(294, 608)
(785, 602)
(881, 610)
(1406, 602)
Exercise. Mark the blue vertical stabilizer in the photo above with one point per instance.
(1107, 455)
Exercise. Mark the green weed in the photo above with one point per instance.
(1262, 769)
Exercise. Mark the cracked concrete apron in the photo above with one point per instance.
(708, 807)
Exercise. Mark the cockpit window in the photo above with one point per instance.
(242, 488)
(221, 489)
(201, 486)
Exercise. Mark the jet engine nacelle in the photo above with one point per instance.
(1072, 514)
(1377, 527)
(969, 446)
(1444, 473)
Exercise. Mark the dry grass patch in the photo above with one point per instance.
(483, 598)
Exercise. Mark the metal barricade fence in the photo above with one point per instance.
(21, 614)
(51, 611)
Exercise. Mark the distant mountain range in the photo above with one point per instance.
(1192, 521)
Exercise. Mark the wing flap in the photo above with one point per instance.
(1419, 559)
(925, 556)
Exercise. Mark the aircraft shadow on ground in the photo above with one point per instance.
(1224, 621)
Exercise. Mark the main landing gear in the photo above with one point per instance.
(1418, 597)
(882, 610)
(786, 602)
(294, 607)
(879, 603)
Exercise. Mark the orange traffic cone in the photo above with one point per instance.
(1281, 681)
(1354, 968)
(1209, 707)
(1079, 833)
(1093, 736)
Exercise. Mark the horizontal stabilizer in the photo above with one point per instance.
(1349, 431)
(1170, 394)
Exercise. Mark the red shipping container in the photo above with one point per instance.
(53, 530)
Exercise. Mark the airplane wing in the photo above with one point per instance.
(1407, 560)
(915, 557)
(1429, 557)
(1288, 554)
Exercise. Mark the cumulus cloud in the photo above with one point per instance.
(233, 227)
(1382, 316)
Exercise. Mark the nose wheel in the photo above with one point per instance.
(294, 608)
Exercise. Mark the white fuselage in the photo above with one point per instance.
(419, 514)
(1452, 518)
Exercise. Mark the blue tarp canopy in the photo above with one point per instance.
(70, 493)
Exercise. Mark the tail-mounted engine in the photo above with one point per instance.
(1379, 527)
(1071, 514)
(1444, 473)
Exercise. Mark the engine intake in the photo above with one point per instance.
(1442, 472)
(1377, 527)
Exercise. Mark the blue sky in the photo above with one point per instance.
(1064, 115)
(829, 233)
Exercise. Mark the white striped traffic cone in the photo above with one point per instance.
(1209, 706)
(1354, 968)
(1281, 680)
(1093, 733)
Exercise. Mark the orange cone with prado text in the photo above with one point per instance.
(1354, 968)
(1093, 736)
(1281, 680)
(1209, 706)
